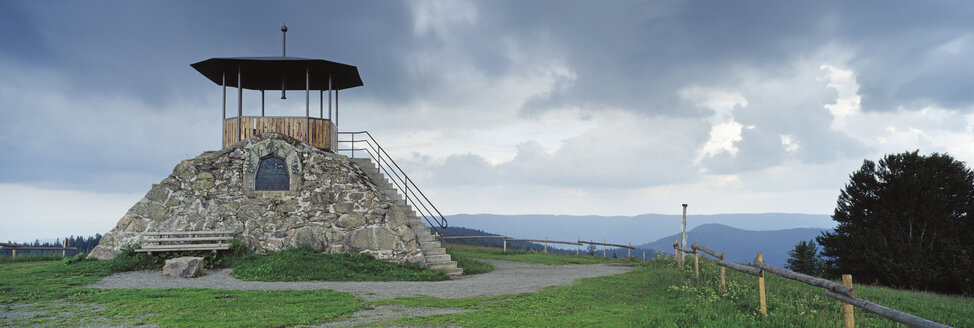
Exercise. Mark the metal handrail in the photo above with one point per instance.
(399, 178)
(404, 182)
(403, 185)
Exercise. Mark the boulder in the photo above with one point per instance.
(376, 238)
(183, 267)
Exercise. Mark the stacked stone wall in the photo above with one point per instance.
(331, 206)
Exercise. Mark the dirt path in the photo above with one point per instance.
(507, 278)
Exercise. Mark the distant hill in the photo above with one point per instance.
(491, 242)
(741, 245)
(628, 229)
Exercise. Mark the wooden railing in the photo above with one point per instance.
(13, 247)
(323, 133)
(843, 292)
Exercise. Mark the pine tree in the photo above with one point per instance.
(805, 258)
(906, 222)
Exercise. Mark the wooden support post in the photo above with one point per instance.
(546, 244)
(676, 251)
(723, 276)
(578, 245)
(644, 255)
(683, 230)
(505, 244)
(848, 318)
(629, 251)
(696, 263)
(63, 245)
(603, 248)
(761, 298)
(13, 253)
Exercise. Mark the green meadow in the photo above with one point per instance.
(655, 294)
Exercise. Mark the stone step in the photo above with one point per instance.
(392, 193)
(437, 258)
(454, 272)
(434, 251)
(442, 265)
(429, 244)
(424, 237)
(380, 181)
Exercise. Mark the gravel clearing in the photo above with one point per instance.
(507, 278)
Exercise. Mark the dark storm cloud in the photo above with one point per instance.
(632, 56)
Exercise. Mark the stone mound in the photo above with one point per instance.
(328, 203)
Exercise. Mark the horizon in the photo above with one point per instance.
(499, 107)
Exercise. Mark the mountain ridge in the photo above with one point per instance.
(639, 229)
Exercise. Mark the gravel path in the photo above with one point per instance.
(507, 278)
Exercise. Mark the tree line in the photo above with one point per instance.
(83, 244)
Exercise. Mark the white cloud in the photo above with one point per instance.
(31, 212)
(929, 129)
(725, 132)
(848, 102)
(789, 143)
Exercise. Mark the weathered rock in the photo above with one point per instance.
(350, 221)
(331, 204)
(157, 211)
(103, 252)
(158, 193)
(342, 208)
(183, 267)
(314, 236)
(377, 238)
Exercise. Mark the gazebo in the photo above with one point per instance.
(282, 73)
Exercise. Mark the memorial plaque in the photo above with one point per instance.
(272, 174)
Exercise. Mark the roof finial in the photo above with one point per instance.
(284, 43)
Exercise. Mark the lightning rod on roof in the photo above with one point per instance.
(283, 54)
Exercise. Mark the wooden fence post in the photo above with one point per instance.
(696, 262)
(847, 310)
(603, 248)
(676, 250)
(505, 244)
(13, 253)
(629, 251)
(578, 245)
(546, 244)
(761, 299)
(644, 255)
(63, 246)
(723, 276)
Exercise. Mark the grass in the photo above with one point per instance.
(659, 295)
(654, 294)
(220, 308)
(469, 265)
(305, 263)
(30, 258)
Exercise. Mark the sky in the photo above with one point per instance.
(503, 107)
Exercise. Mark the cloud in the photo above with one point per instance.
(541, 106)
(49, 213)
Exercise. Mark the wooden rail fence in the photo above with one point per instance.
(13, 247)
(843, 292)
(578, 243)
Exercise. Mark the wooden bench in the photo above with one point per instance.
(179, 241)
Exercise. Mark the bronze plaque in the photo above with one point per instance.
(272, 175)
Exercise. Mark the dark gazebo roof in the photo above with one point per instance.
(267, 73)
